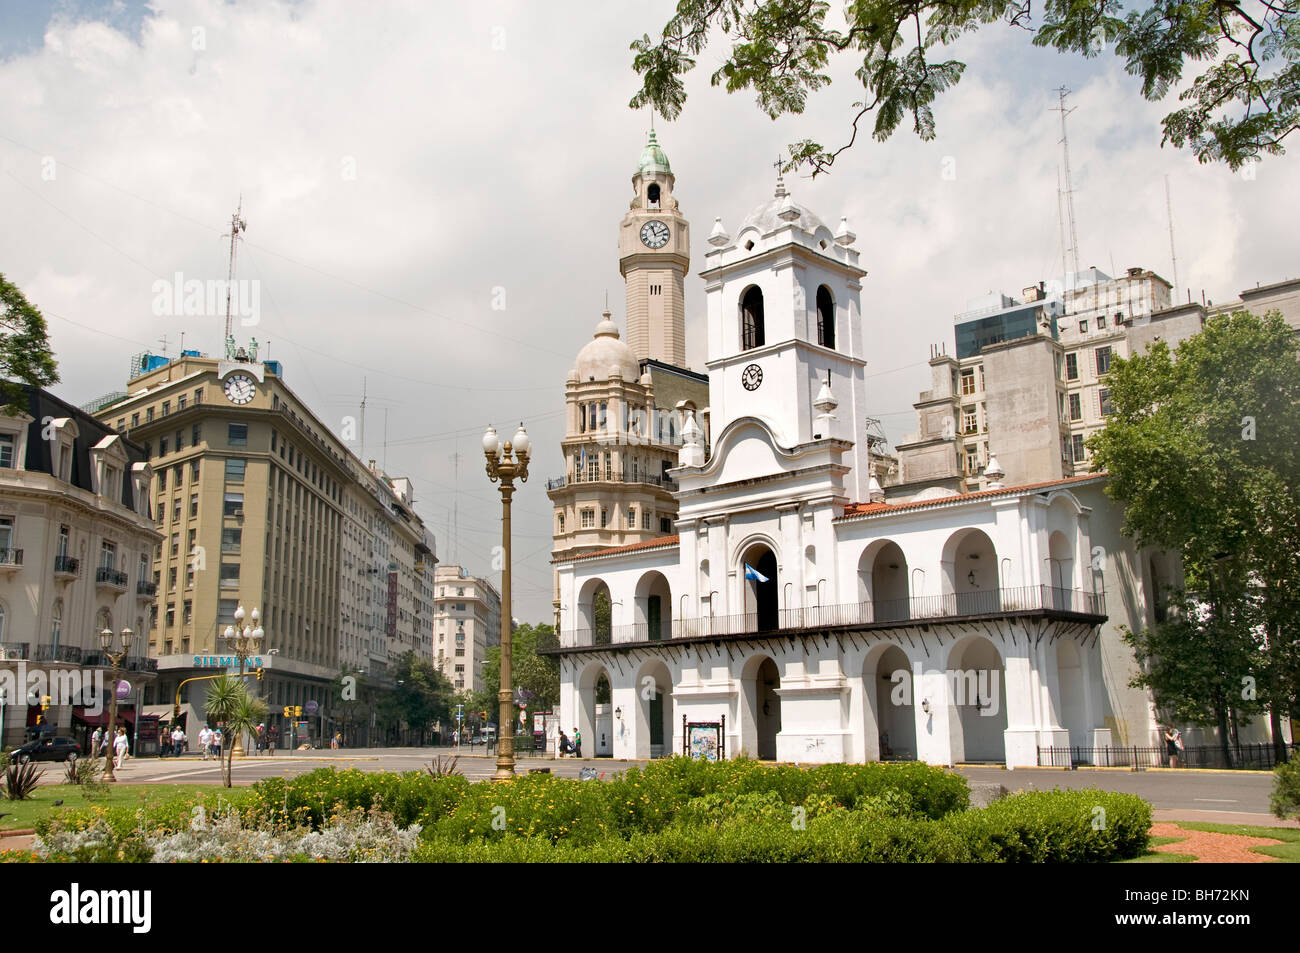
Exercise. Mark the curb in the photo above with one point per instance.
(20, 832)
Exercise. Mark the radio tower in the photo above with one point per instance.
(1069, 190)
(237, 226)
(1169, 211)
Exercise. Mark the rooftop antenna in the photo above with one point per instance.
(163, 341)
(455, 505)
(1169, 211)
(363, 418)
(385, 457)
(1060, 221)
(237, 226)
(1073, 271)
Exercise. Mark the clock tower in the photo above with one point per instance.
(654, 255)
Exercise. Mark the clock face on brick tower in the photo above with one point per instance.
(240, 388)
(654, 234)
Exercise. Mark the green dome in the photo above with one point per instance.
(653, 158)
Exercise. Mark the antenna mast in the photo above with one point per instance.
(363, 419)
(1169, 211)
(237, 226)
(1073, 271)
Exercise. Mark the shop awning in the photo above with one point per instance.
(125, 715)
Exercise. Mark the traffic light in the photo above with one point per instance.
(297, 711)
(45, 703)
(287, 711)
(259, 674)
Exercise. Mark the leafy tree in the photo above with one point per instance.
(24, 346)
(536, 676)
(237, 711)
(1204, 453)
(1239, 107)
(421, 695)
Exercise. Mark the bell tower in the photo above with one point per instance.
(654, 246)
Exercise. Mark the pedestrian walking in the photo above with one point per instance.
(272, 739)
(178, 741)
(95, 741)
(216, 742)
(577, 743)
(205, 741)
(121, 745)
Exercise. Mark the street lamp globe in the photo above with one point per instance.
(239, 614)
(491, 443)
(127, 638)
(229, 633)
(106, 639)
(521, 443)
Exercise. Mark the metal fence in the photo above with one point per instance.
(1256, 757)
(979, 602)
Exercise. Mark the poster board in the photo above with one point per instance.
(705, 740)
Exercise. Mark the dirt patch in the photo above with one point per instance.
(1210, 848)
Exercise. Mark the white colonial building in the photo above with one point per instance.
(808, 619)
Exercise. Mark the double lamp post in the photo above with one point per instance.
(505, 463)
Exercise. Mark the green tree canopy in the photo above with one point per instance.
(24, 345)
(1203, 451)
(1241, 105)
(421, 695)
(537, 675)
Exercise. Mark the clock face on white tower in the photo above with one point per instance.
(240, 388)
(654, 234)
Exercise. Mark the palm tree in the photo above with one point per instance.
(229, 702)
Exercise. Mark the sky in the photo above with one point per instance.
(432, 193)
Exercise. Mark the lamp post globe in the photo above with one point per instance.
(115, 663)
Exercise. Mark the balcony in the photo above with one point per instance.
(881, 614)
(59, 653)
(106, 578)
(649, 479)
(67, 567)
(11, 559)
(146, 590)
(13, 651)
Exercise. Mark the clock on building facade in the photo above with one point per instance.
(240, 388)
(751, 377)
(654, 234)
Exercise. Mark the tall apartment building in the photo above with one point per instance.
(260, 504)
(626, 402)
(1028, 381)
(467, 620)
(77, 540)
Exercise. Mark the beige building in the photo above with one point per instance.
(1028, 382)
(627, 401)
(76, 549)
(259, 504)
(467, 622)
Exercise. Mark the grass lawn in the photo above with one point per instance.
(1288, 851)
(20, 815)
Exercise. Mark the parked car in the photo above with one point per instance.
(47, 749)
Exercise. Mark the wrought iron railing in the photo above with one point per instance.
(980, 602)
(149, 589)
(13, 651)
(1258, 757)
(70, 565)
(653, 479)
(59, 653)
(11, 557)
(111, 577)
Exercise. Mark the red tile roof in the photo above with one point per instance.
(661, 541)
(864, 509)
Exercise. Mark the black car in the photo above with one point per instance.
(47, 749)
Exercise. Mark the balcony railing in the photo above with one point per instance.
(149, 589)
(13, 651)
(67, 566)
(11, 557)
(652, 479)
(59, 653)
(980, 602)
(110, 577)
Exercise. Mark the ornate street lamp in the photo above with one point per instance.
(504, 464)
(244, 641)
(115, 663)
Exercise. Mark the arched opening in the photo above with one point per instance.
(1159, 593)
(595, 712)
(892, 703)
(652, 195)
(971, 571)
(1069, 676)
(103, 620)
(760, 684)
(1061, 563)
(882, 575)
(654, 608)
(977, 701)
(751, 319)
(595, 609)
(56, 626)
(762, 599)
(825, 318)
(654, 725)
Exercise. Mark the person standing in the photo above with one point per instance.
(95, 740)
(1171, 745)
(272, 739)
(205, 739)
(577, 743)
(121, 746)
(216, 742)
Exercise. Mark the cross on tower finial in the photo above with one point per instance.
(780, 178)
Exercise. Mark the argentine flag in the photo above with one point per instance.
(752, 573)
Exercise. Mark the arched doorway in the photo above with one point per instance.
(595, 614)
(654, 608)
(1061, 563)
(882, 570)
(760, 683)
(654, 715)
(977, 701)
(890, 678)
(1069, 678)
(971, 567)
(762, 597)
(595, 714)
